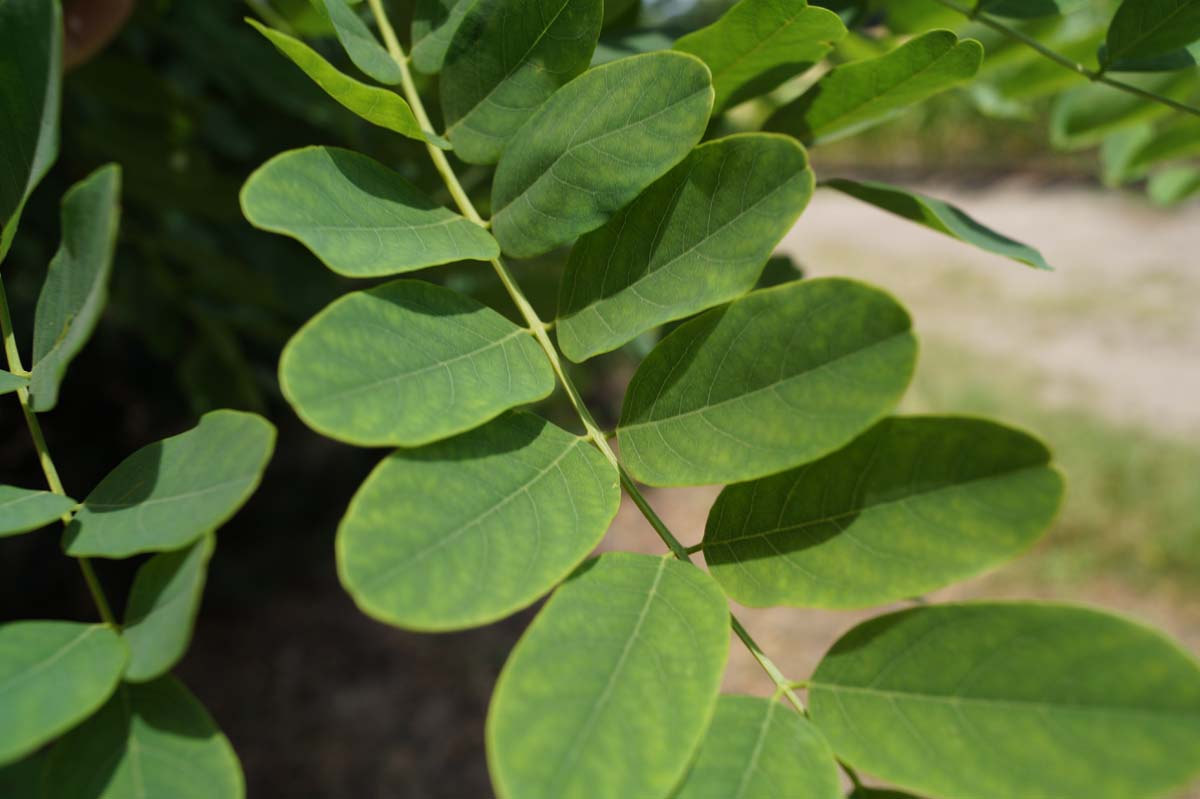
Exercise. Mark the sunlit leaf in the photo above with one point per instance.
(761, 749)
(150, 741)
(162, 608)
(379, 106)
(914, 504)
(168, 494)
(594, 146)
(53, 675)
(433, 27)
(860, 94)
(1149, 28)
(696, 238)
(775, 379)
(22, 509)
(76, 286)
(360, 44)
(408, 363)
(759, 44)
(609, 692)
(471, 529)
(937, 215)
(1022, 699)
(506, 58)
(1175, 185)
(1086, 115)
(359, 217)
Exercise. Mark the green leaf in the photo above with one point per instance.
(382, 107)
(1086, 115)
(168, 494)
(150, 741)
(864, 93)
(359, 217)
(360, 44)
(1173, 186)
(10, 382)
(76, 286)
(1030, 9)
(23, 510)
(1180, 140)
(409, 363)
(999, 700)
(1118, 151)
(1149, 28)
(698, 237)
(777, 378)
(30, 85)
(53, 675)
(506, 58)
(162, 608)
(609, 692)
(937, 215)
(761, 749)
(759, 44)
(433, 27)
(23, 779)
(594, 146)
(914, 504)
(469, 530)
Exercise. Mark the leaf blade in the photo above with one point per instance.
(23, 510)
(360, 44)
(1148, 28)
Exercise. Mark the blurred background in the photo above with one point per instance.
(1100, 357)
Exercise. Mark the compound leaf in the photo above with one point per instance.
(915, 504)
(622, 666)
(23, 509)
(1023, 699)
(76, 286)
(379, 106)
(30, 85)
(937, 215)
(760, 749)
(860, 94)
(53, 675)
(168, 494)
(471, 529)
(759, 44)
(433, 27)
(777, 378)
(506, 58)
(409, 363)
(360, 44)
(150, 741)
(162, 608)
(697, 237)
(1148, 28)
(594, 146)
(359, 217)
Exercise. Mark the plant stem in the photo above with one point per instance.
(1096, 76)
(43, 452)
(539, 330)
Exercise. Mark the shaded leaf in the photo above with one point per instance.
(23, 779)
(359, 217)
(10, 382)
(53, 675)
(161, 612)
(758, 44)
(777, 378)
(23, 509)
(433, 27)
(1030, 9)
(622, 43)
(1024, 699)
(360, 44)
(937, 215)
(469, 530)
(168, 494)
(860, 94)
(622, 666)
(594, 146)
(506, 58)
(915, 504)
(756, 748)
(696, 238)
(76, 286)
(1183, 58)
(1173, 186)
(1149, 28)
(382, 107)
(408, 363)
(150, 741)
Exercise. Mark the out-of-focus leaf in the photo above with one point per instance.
(1175, 185)
(1118, 150)
(1086, 115)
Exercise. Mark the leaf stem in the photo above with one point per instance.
(13, 355)
(540, 332)
(1096, 76)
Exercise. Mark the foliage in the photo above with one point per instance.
(652, 169)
